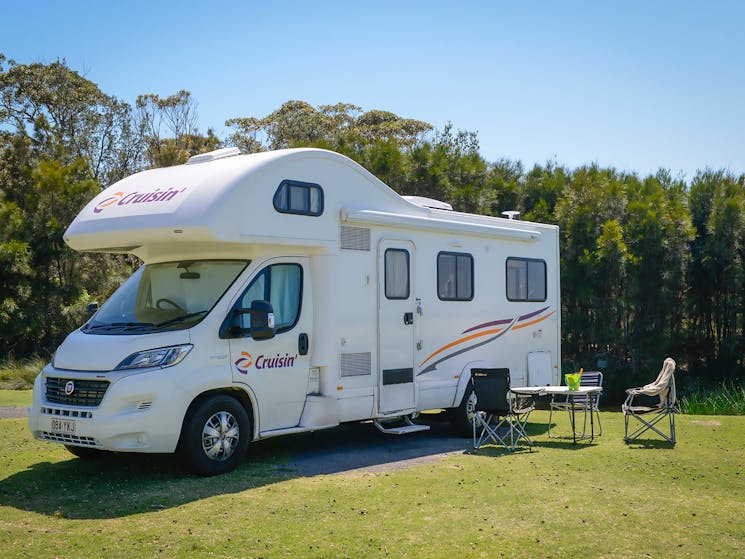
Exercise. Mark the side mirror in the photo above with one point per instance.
(91, 308)
(262, 320)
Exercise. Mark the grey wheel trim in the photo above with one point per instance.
(220, 436)
(471, 407)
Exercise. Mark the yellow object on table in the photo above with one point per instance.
(572, 380)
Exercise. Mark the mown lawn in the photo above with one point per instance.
(591, 500)
(16, 397)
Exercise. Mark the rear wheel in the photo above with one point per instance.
(215, 436)
(461, 418)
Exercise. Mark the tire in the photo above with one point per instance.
(215, 436)
(461, 418)
(87, 453)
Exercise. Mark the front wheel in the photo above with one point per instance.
(215, 436)
(461, 418)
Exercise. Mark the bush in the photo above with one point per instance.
(20, 374)
(725, 399)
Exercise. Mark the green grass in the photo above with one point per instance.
(725, 399)
(15, 397)
(604, 499)
(20, 374)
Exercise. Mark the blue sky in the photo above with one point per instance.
(635, 85)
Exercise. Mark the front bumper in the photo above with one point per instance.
(139, 412)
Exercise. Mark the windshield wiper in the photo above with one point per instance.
(120, 325)
(181, 318)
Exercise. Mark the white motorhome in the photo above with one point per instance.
(291, 291)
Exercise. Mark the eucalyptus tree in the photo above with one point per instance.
(168, 127)
(65, 114)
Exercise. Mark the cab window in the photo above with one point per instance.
(281, 285)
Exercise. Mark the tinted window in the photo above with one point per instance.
(302, 198)
(454, 276)
(526, 279)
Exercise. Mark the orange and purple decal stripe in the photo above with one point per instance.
(482, 334)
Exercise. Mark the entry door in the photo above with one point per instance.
(277, 370)
(396, 315)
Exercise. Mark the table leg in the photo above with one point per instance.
(574, 430)
(592, 423)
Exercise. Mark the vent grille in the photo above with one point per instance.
(85, 393)
(355, 364)
(354, 238)
(68, 439)
(67, 413)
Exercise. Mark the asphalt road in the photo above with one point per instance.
(361, 447)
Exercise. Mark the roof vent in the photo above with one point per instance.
(428, 203)
(511, 214)
(213, 155)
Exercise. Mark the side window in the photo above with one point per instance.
(526, 279)
(302, 198)
(454, 276)
(282, 286)
(397, 273)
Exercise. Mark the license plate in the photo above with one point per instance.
(66, 426)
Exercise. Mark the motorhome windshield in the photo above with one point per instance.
(165, 296)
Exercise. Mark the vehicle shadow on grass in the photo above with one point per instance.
(119, 485)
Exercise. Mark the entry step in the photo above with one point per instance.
(410, 427)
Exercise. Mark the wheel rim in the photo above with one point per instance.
(220, 436)
(470, 407)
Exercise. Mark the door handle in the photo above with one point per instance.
(408, 318)
(302, 344)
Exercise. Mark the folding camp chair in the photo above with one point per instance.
(500, 414)
(657, 400)
(584, 403)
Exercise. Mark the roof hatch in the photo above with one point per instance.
(213, 155)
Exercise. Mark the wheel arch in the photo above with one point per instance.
(465, 378)
(243, 396)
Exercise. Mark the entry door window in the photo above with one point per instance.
(282, 286)
(396, 273)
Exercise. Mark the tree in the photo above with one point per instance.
(48, 283)
(595, 259)
(297, 123)
(658, 229)
(717, 201)
(169, 130)
(60, 109)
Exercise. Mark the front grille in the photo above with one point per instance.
(67, 413)
(68, 439)
(85, 392)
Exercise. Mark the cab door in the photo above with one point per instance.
(396, 330)
(277, 369)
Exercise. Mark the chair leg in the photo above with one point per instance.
(672, 427)
(650, 425)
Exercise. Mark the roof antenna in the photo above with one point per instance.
(511, 214)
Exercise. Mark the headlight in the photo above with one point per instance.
(162, 357)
